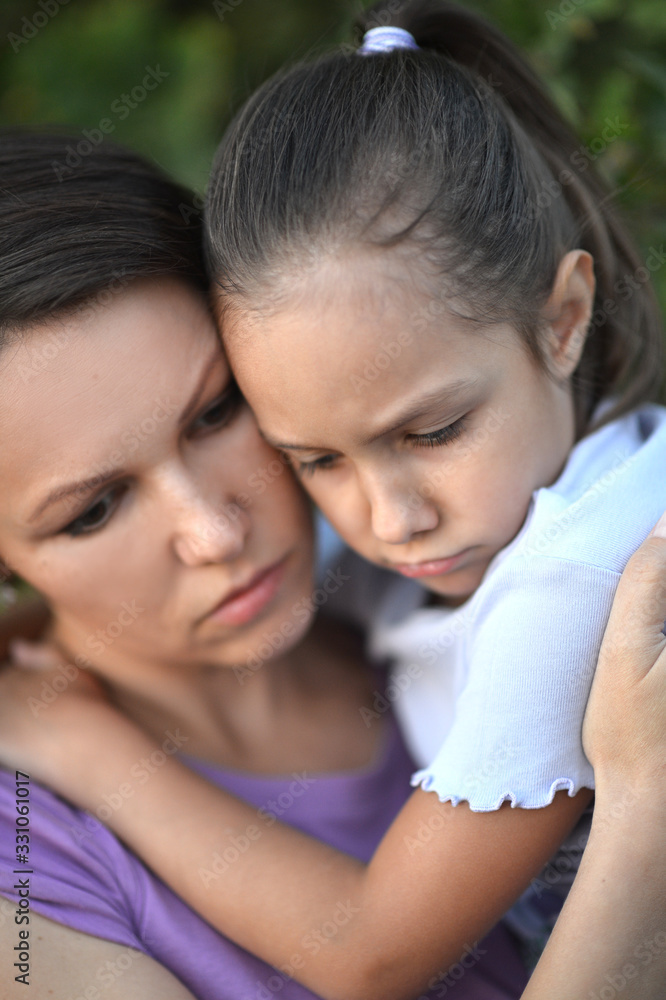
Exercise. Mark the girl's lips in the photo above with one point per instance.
(433, 567)
(242, 606)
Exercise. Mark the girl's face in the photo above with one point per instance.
(420, 436)
(135, 493)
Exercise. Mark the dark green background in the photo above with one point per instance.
(601, 58)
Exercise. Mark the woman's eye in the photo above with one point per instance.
(220, 412)
(97, 515)
(442, 436)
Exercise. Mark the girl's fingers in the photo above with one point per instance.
(33, 655)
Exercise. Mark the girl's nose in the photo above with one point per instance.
(397, 515)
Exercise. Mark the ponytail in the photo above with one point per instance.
(461, 143)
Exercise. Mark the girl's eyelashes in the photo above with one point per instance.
(220, 412)
(96, 516)
(309, 468)
(442, 436)
(431, 440)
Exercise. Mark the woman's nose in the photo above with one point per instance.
(207, 532)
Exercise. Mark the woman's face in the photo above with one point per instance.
(137, 494)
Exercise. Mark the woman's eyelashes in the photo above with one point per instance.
(97, 515)
(433, 439)
(214, 416)
(219, 413)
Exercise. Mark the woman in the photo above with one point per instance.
(195, 574)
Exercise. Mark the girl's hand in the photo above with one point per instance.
(624, 732)
(55, 721)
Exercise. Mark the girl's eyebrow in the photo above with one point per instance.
(447, 395)
(281, 446)
(441, 395)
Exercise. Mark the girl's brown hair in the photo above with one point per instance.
(454, 149)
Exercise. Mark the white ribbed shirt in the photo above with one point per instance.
(491, 695)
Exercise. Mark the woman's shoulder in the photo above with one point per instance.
(79, 874)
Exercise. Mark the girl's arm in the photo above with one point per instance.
(438, 882)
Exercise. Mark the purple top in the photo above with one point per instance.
(85, 878)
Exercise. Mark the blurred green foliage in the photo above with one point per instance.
(76, 62)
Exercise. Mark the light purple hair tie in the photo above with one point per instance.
(378, 41)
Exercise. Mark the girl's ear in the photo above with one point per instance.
(568, 311)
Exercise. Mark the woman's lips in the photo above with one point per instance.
(245, 604)
(433, 567)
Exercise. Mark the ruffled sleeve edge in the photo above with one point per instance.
(535, 800)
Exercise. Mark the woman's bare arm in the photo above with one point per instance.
(66, 963)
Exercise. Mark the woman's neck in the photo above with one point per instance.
(300, 710)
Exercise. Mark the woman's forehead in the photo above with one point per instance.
(75, 391)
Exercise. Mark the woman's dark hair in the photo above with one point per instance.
(454, 150)
(72, 235)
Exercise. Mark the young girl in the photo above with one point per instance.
(394, 287)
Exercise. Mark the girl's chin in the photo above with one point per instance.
(458, 586)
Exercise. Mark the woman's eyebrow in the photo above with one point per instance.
(81, 486)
